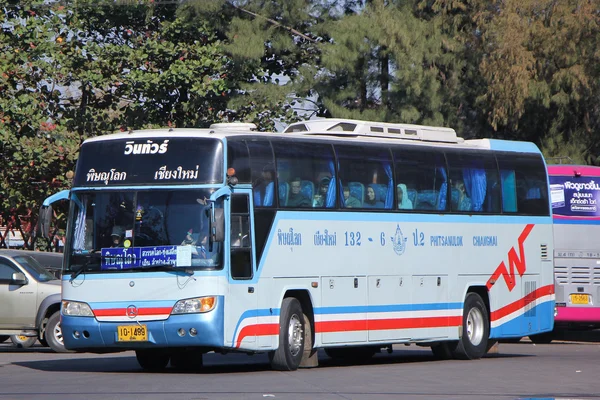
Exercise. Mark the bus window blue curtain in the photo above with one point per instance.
(389, 197)
(443, 195)
(476, 186)
(330, 200)
(509, 191)
(268, 201)
(257, 197)
(79, 236)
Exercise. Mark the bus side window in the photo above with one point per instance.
(368, 174)
(299, 165)
(425, 176)
(474, 182)
(241, 249)
(262, 171)
(524, 184)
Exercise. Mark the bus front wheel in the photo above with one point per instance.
(475, 330)
(152, 359)
(288, 355)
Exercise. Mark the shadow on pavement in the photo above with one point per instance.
(232, 363)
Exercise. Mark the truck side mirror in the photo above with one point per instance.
(18, 278)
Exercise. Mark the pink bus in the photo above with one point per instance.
(575, 194)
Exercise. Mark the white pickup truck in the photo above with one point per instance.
(30, 298)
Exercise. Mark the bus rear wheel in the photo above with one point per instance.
(542, 338)
(444, 350)
(152, 359)
(288, 355)
(475, 330)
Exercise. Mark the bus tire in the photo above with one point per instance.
(444, 350)
(288, 355)
(54, 334)
(23, 342)
(187, 360)
(475, 330)
(542, 338)
(152, 359)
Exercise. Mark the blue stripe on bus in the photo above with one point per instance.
(576, 222)
(398, 217)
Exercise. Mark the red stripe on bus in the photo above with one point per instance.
(383, 324)
(356, 325)
(521, 303)
(121, 312)
(257, 330)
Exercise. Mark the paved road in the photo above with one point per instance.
(520, 371)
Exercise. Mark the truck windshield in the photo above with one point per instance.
(136, 230)
(39, 273)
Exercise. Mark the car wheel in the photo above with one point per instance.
(54, 335)
(3, 338)
(23, 342)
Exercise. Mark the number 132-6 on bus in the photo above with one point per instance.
(343, 235)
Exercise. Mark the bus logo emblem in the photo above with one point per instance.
(132, 311)
(399, 241)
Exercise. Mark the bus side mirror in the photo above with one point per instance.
(44, 220)
(217, 225)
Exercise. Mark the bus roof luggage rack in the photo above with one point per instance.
(351, 127)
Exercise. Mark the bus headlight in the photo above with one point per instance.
(195, 305)
(76, 309)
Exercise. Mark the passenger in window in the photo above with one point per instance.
(189, 239)
(117, 236)
(266, 179)
(404, 202)
(319, 200)
(464, 202)
(371, 200)
(296, 197)
(349, 200)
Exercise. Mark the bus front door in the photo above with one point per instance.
(242, 302)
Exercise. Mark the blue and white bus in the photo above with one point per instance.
(343, 235)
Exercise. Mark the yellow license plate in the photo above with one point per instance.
(580, 299)
(132, 333)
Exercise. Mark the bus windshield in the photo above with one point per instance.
(137, 230)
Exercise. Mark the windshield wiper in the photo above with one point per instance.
(89, 257)
(78, 271)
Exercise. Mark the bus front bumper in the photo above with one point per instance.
(185, 330)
